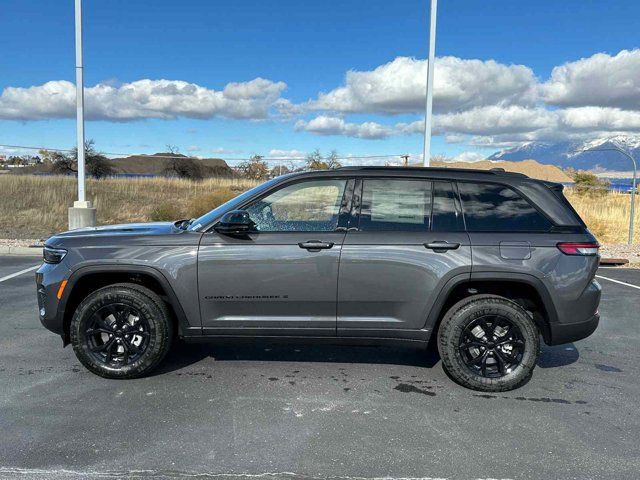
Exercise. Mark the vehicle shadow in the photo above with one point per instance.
(185, 354)
(558, 355)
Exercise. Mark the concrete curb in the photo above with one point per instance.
(26, 251)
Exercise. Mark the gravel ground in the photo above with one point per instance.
(20, 242)
(622, 250)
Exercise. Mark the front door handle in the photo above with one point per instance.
(315, 245)
(441, 246)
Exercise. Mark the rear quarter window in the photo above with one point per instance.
(497, 208)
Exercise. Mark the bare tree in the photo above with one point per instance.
(184, 167)
(172, 149)
(315, 160)
(62, 164)
(255, 168)
(279, 170)
(97, 165)
(181, 166)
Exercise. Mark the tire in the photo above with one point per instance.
(494, 362)
(121, 331)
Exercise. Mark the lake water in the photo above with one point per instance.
(620, 184)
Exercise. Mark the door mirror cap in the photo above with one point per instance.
(235, 222)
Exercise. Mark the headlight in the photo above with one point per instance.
(53, 255)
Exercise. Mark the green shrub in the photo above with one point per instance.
(587, 183)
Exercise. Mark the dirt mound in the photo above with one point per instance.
(156, 164)
(530, 168)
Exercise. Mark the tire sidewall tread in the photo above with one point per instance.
(464, 311)
(144, 300)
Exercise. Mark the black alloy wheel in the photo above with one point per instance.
(489, 343)
(117, 334)
(122, 330)
(491, 346)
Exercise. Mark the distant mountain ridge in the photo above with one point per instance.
(572, 154)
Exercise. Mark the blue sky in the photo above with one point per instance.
(310, 46)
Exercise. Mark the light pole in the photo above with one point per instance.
(81, 214)
(426, 158)
(79, 102)
(633, 190)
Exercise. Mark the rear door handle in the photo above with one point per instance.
(441, 246)
(315, 245)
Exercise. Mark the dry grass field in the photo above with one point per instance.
(607, 215)
(36, 206)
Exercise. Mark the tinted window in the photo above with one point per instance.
(445, 216)
(402, 205)
(311, 206)
(496, 208)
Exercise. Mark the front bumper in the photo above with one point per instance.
(571, 332)
(48, 280)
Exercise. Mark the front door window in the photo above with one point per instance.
(311, 206)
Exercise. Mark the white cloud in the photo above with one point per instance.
(399, 87)
(222, 150)
(480, 121)
(469, 157)
(599, 119)
(193, 148)
(277, 153)
(564, 124)
(10, 151)
(326, 125)
(493, 125)
(477, 102)
(493, 120)
(600, 80)
(487, 103)
(54, 99)
(164, 99)
(455, 138)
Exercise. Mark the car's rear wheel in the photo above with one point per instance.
(488, 343)
(121, 331)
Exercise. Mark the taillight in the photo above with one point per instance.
(586, 249)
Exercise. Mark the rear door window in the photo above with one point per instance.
(497, 208)
(395, 205)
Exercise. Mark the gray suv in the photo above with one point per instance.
(483, 262)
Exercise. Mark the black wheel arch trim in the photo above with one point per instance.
(436, 312)
(83, 271)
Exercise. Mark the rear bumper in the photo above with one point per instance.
(571, 332)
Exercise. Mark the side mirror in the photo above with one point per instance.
(235, 222)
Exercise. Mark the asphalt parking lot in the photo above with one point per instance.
(316, 411)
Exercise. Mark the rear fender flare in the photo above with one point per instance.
(547, 301)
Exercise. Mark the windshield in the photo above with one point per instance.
(209, 217)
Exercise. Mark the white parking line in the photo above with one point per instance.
(13, 275)
(614, 281)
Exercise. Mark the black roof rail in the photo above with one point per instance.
(493, 171)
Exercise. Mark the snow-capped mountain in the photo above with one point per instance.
(579, 155)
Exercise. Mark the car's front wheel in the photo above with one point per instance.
(488, 343)
(121, 331)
